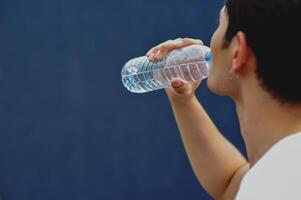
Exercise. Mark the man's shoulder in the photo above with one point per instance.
(281, 156)
(277, 174)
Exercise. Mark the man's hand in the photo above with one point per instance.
(180, 91)
(160, 51)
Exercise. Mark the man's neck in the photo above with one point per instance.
(264, 122)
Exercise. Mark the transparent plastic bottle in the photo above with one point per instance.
(189, 63)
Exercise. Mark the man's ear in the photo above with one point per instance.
(241, 53)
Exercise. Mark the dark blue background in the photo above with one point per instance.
(69, 129)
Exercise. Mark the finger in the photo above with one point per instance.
(162, 55)
(151, 57)
(151, 50)
(188, 41)
(157, 55)
(176, 83)
(178, 41)
(163, 49)
(192, 41)
(154, 56)
(167, 46)
(181, 88)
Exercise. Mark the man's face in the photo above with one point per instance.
(220, 80)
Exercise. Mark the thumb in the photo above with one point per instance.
(176, 83)
(179, 86)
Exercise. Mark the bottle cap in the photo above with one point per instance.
(208, 56)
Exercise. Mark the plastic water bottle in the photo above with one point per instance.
(189, 63)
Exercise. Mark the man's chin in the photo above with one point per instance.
(214, 88)
(210, 85)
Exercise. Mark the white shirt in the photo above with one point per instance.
(277, 175)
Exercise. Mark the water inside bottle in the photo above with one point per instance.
(153, 76)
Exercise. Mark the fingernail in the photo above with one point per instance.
(176, 83)
(158, 53)
(151, 56)
(178, 42)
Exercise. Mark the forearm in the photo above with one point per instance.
(213, 158)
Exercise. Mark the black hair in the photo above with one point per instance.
(272, 29)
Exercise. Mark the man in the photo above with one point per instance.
(254, 63)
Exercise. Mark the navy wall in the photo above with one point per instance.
(68, 127)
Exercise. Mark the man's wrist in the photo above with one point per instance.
(182, 101)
